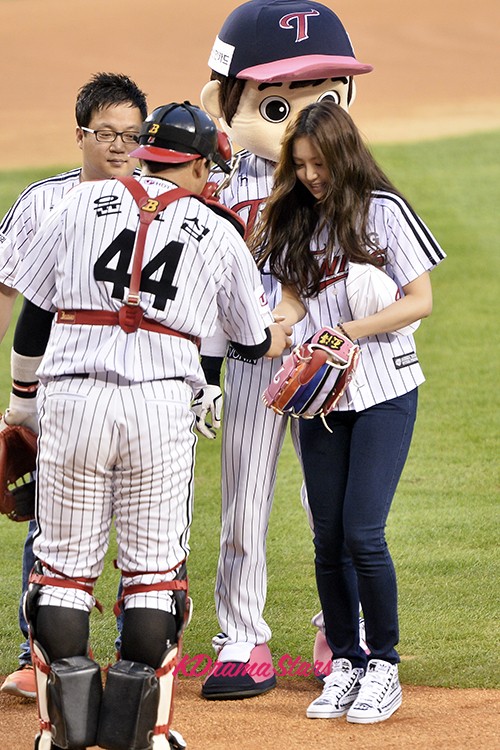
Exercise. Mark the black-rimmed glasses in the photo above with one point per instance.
(110, 136)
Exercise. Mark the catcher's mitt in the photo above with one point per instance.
(314, 376)
(17, 466)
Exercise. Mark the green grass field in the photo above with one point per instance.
(443, 528)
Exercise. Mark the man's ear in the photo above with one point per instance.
(210, 99)
(79, 137)
(200, 168)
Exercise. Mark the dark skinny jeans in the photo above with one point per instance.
(351, 476)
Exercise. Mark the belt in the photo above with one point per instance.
(129, 318)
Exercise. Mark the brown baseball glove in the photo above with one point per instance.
(17, 467)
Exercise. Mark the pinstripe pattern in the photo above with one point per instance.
(388, 364)
(215, 278)
(253, 435)
(119, 443)
(252, 438)
(137, 465)
(20, 223)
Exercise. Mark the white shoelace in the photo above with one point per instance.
(372, 688)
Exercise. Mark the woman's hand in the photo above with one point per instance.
(415, 305)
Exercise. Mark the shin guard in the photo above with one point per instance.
(42, 669)
(129, 707)
(74, 690)
(137, 706)
(166, 675)
(69, 696)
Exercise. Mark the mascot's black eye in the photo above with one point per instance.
(274, 109)
(330, 96)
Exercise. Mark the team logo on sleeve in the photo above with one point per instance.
(261, 296)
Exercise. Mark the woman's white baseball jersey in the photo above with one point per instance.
(388, 366)
(196, 270)
(20, 223)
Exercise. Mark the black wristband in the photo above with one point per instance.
(24, 390)
(212, 367)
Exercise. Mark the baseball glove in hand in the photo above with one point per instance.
(314, 376)
(17, 466)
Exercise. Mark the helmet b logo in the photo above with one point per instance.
(154, 128)
(299, 21)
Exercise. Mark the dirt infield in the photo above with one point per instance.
(434, 718)
(437, 68)
(436, 65)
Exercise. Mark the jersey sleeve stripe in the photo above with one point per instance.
(422, 234)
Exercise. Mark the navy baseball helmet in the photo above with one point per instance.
(280, 40)
(177, 133)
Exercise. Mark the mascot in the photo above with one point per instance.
(269, 60)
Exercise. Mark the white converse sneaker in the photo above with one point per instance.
(380, 694)
(340, 689)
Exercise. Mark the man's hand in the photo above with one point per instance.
(208, 401)
(280, 339)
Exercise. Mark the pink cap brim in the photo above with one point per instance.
(305, 68)
(155, 153)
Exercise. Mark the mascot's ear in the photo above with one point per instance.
(352, 91)
(210, 99)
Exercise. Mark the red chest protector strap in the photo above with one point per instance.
(149, 208)
(130, 317)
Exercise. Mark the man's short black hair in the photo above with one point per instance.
(104, 90)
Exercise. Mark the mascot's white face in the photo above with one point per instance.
(265, 109)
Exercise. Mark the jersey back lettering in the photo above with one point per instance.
(196, 269)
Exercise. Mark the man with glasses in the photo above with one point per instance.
(110, 109)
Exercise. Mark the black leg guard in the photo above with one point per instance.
(74, 691)
(129, 707)
(136, 709)
(69, 686)
(63, 631)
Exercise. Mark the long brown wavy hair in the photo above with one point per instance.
(292, 215)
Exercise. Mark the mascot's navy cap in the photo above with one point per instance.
(280, 40)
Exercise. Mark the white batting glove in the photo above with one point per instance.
(21, 411)
(208, 401)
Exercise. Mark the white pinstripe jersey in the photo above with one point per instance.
(246, 195)
(20, 223)
(388, 365)
(196, 270)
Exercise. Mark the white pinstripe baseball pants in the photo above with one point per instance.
(252, 441)
(122, 450)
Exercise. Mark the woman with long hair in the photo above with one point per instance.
(332, 208)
